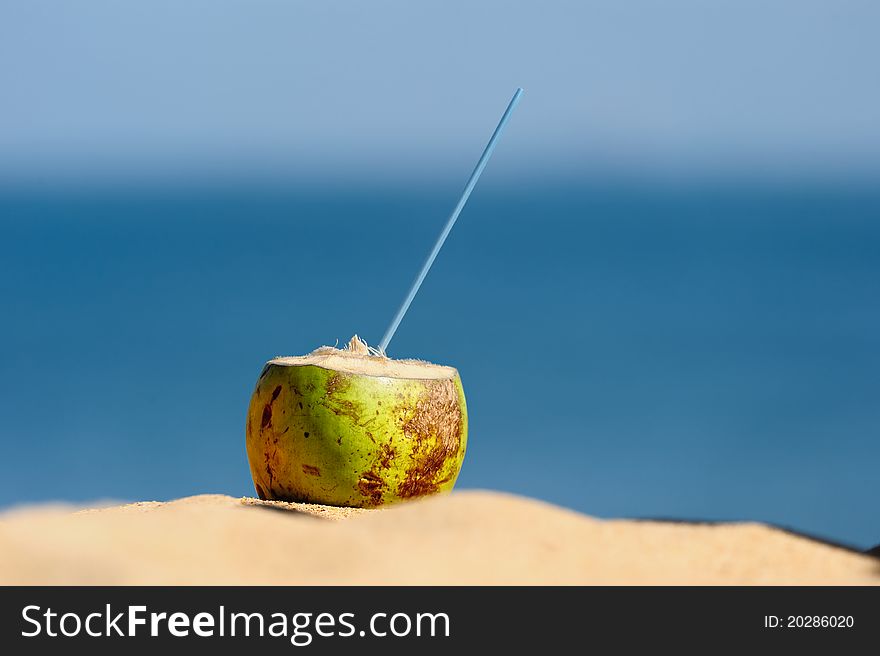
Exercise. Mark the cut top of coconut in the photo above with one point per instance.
(358, 358)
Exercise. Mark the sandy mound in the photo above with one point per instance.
(465, 538)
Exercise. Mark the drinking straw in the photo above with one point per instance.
(469, 187)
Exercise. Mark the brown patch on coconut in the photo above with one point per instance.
(371, 486)
(435, 426)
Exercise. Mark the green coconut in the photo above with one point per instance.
(351, 427)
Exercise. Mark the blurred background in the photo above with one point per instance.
(662, 296)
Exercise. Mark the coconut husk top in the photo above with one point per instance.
(357, 357)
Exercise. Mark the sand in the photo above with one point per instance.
(464, 538)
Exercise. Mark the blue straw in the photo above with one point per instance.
(469, 187)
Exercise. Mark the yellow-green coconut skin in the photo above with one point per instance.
(344, 439)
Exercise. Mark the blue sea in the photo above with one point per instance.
(709, 352)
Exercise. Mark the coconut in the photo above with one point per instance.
(351, 427)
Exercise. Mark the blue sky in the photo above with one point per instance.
(388, 89)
